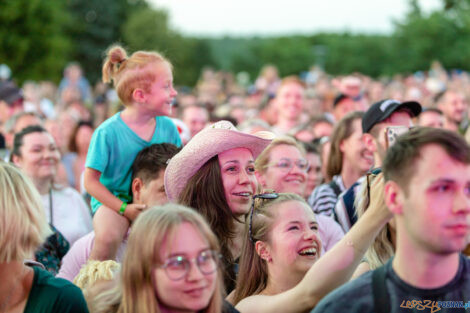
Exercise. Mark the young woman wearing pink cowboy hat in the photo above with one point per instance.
(215, 174)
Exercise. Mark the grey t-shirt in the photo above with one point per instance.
(357, 296)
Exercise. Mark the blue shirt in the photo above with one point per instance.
(114, 147)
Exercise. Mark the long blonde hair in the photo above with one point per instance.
(130, 73)
(382, 248)
(135, 292)
(23, 225)
(253, 271)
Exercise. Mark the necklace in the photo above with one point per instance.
(5, 303)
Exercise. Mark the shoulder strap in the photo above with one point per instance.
(379, 290)
(337, 192)
(348, 200)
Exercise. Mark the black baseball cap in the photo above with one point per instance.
(381, 110)
(339, 98)
(9, 92)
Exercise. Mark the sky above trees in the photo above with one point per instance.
(268, 17)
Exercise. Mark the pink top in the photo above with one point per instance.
(78, 255)
(329, 230)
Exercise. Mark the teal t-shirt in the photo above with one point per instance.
(113, 148)
(54, 295)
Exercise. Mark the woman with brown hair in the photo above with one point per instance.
(348, 160)
(214, 174)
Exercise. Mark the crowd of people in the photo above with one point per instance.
(291, 194)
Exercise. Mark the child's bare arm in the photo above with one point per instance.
(98, 191)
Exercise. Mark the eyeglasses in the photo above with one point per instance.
(177, 267)
(286, 164)
(369, 176)
(268, 196)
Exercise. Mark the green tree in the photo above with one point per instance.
(33, 42)
(94, 26)
(148, 29)
(443, 35)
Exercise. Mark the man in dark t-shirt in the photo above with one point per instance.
(427, 187)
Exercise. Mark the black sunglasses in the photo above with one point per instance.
(268, 196)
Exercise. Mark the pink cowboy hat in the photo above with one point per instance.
(209, 142)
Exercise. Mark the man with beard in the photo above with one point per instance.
(454, 106)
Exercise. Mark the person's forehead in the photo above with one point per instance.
(192, 112)
(294, 210)
(282, 150)
(435, 163)
(344, 102)
(429, 114)
(26, 120)
(158, 179)
(240, 153)
(356, 127)
(290, 87)
(37, 137)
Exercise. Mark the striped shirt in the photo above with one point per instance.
(323, 198)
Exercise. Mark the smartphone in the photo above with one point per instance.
(392, 133)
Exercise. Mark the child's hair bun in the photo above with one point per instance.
(117, 54)
(114, 58)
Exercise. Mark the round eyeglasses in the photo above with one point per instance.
(286, 164)
(178, 266)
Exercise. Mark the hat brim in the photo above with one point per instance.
(412, 106)
(200, 149)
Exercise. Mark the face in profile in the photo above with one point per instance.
(294, 243)
(39, 156)
(152, 192)
(355, 151)
(237, 169)
(161, 95)
(185, 278)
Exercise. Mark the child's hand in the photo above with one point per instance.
(133, 210)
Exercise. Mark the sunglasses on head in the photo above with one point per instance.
(266, 196)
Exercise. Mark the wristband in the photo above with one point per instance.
(123, 208)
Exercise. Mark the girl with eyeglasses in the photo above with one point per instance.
(171, 265)
(280, 267)
(283, 167)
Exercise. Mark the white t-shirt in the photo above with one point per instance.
(70, 213)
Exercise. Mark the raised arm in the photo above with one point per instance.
(329, 272)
